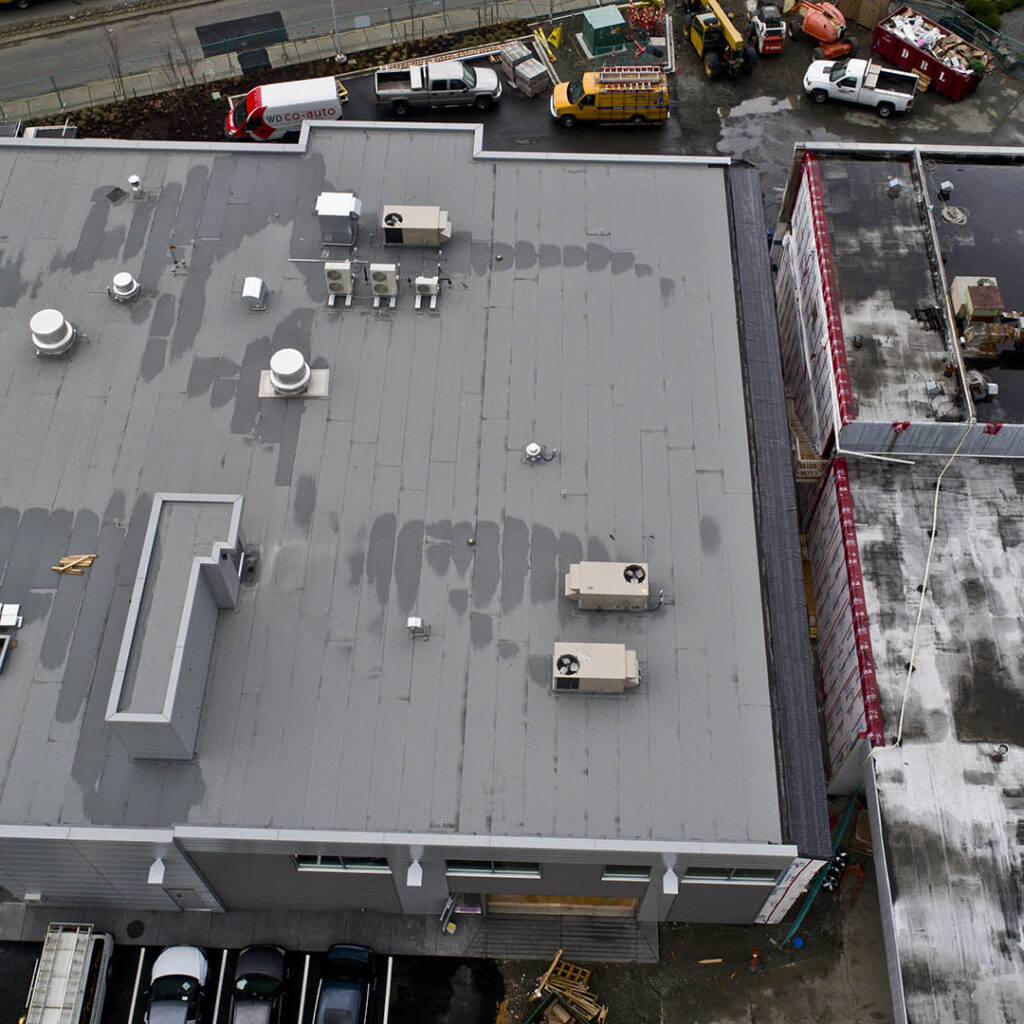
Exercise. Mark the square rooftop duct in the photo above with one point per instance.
(338, 213)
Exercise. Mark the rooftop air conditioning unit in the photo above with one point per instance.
(426, 290)
(338, 277)
(594, 668)
(384, 279)
(608, 586)
(415, 225)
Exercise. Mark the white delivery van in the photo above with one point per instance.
(272, 111)
(70, 982)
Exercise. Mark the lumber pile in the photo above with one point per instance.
(570, 1000)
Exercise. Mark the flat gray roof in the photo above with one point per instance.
(953, 815)
(885, 274)
(587, 304)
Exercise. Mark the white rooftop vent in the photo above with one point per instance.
(427, 288)
(594, 668)
(254, 294)
(289, 372)
(135, 184)
(608, 586)
(384, 282)
(52, 335)
(418, 630)
(338, 277)
(415, 225)
(123, 287)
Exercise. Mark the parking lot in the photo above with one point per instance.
(441, 989)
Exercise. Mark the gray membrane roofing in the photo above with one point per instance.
(585, 306)
(884, 273)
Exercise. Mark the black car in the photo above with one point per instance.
(258, 989)
(344, 995)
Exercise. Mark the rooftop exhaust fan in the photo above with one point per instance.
(52, 335)
(289, 372)
(123, 287)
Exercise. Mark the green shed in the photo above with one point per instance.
(604, 29)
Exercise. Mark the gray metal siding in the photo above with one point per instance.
(85, 868)
(728, 903)
(266, 882)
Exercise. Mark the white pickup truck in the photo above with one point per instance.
(446, 83)
(861, 81)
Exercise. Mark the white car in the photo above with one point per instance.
(176, 985)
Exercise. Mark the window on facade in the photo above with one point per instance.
(329, 862)
(625, 873)
(716, 874)
(518, 869)
(754, 875)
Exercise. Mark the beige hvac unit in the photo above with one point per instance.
(415, 225)
(593, 668)
(975, 299)
(607, 586)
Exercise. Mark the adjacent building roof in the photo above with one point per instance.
(583, 306)
(940, 537)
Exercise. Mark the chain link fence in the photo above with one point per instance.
(182, 63)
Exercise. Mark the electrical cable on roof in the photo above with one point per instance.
(924, 592)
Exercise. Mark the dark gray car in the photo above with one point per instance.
(344, 995)
(258, 989)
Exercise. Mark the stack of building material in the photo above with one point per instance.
(573, 1000)
(523, 69)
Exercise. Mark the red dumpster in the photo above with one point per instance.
(916, 43)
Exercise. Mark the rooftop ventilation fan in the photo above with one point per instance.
(568, 664)
(634, 574)
(426, 285)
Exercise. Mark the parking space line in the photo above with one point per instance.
(135, 990)
(302, 995)
(387, 990)
(220, 985)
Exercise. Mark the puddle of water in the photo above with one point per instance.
(758, 105)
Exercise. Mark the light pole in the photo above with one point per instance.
(338, 55)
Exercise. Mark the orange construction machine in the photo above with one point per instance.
(825, 23)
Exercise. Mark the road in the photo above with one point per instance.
(69, 39)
